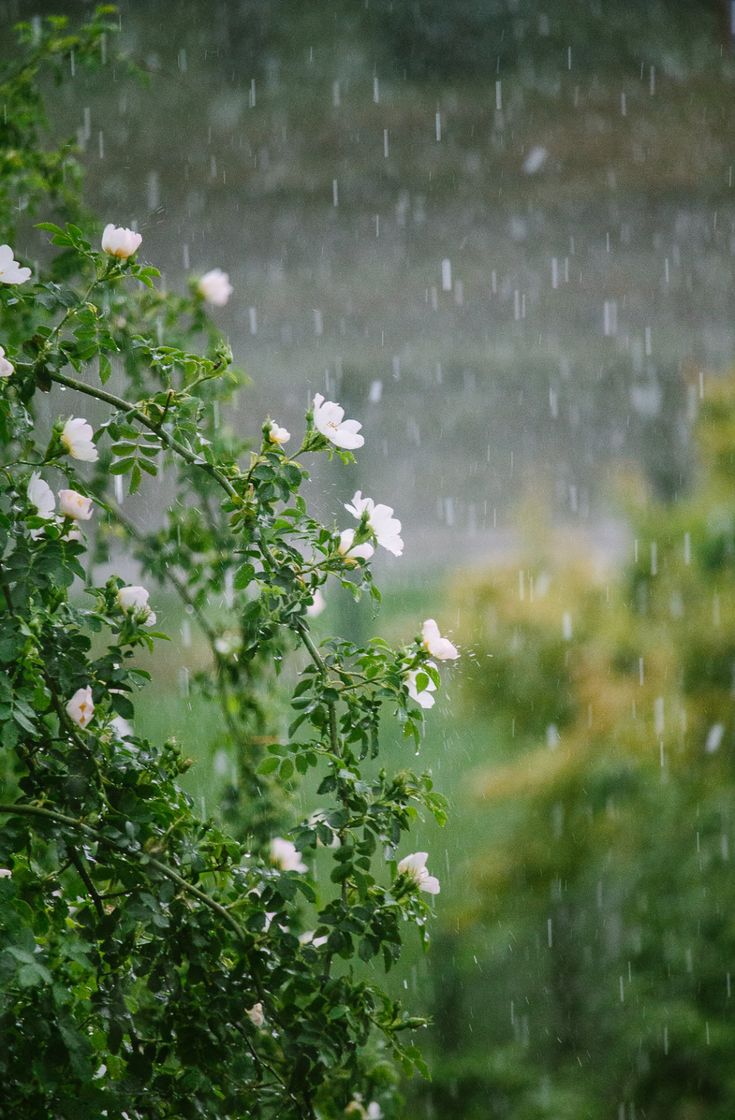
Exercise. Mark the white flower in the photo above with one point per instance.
(41, 496)
(10, 271)
(134, 600)
(121, 726)
(80, 708)
(215, 287)
(286, 855)
(386, 527)
(227, 643)
(5, 873)
(6, 368)
(438, 647)
(351, 553)
(374, 1111)
(74, 504)
(329, 420)
(256, 1015)
(423, 698)
(120, 242)
(414, 867)
(278, 435)
(318, 604)
(76, 436)
(307, 938)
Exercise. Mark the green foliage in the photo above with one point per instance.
(603, 922)
(154, 964)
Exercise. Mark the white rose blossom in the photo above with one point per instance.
(41, 496)
(286, 855)
(256, 1015)
(11, 272)
(278, 435)
(422, 697)
(120, 242)
(329, 420)
(386, 527)
(134, 600)
(73, 504)
(76, 437)
(7, 369)
(215, 287)
(414, 867)
(80, 708)
(121, 726)
(351, 552)
(307, 938)
(440, 648)
(357, 1108)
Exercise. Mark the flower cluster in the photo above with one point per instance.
(419, 680)
(97, 779)
(73, 506)
(380, 520)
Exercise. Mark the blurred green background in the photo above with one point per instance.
(502, 234)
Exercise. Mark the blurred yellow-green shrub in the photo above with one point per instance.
(601, 908)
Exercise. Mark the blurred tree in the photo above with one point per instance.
(605, 897)
(432, 39)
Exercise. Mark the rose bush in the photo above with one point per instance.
(154, 964)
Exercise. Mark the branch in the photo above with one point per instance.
(189, 456)
(107, 841)
(133, 410)
(78, 862)
(195, 461)
(178, 584)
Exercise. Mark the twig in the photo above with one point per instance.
(21, 809)
(85, 877)
(133, 410)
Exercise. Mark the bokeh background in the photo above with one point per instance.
(501, 233)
